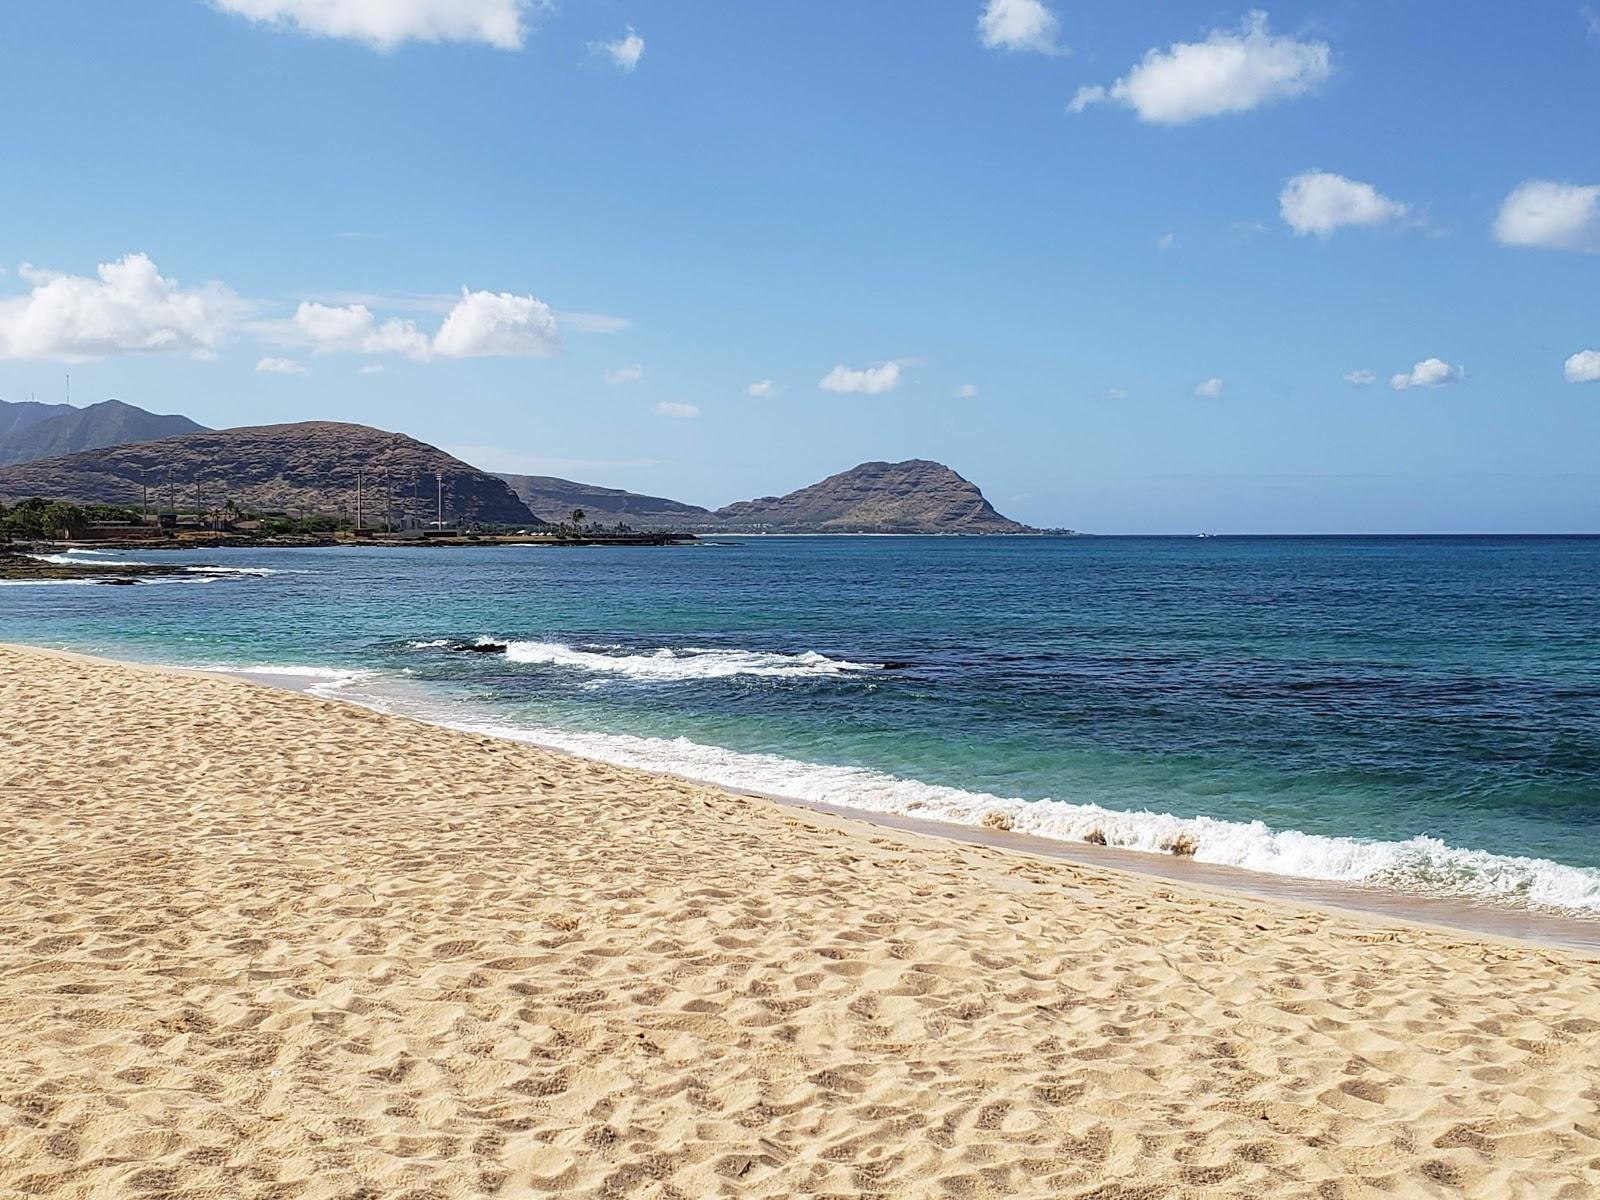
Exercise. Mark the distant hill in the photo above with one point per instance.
(309, 467)
(554, 499)
(16, 415)
(915, 496)
(62, 429)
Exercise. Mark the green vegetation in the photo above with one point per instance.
(40, 520)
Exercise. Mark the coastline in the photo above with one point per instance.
(307, 947)
(1383, 905)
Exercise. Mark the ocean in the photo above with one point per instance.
(1415, 715)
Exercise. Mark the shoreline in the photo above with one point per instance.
(268, 943)
(1383, 906)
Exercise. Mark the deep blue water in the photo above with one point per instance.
(1382, 707)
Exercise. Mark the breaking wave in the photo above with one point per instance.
(683, 663)
(1420, 865)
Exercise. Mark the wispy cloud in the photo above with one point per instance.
(625, 52)
(629, 374)
(685, 412)
(521, 462)
(1210, 389)
(1360, 378)
(863, 381)
(279, 366)
(761, 389)
(587, 322)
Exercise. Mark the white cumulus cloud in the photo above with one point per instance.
(761, 389)
(628, 374)
(480, 325)
(1559, 216)
(1019, 25)
(967, 391)
(1210, 389)
(1430, 372)
(385, 24)
(1231, 71)
(279, 366)
(485, 324)
(129, 307)
(686, 412)
(625, 52)
(352, 328)
(862, 381)
(1362, 378)
(1320, 202)
(1583, 367)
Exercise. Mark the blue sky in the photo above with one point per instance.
(572, 239)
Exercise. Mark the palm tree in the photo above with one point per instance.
(579, 516)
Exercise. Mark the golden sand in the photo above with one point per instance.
(258, 944)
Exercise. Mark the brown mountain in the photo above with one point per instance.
(309, 467)
(916, 496)
(554, 499)
(66, 430)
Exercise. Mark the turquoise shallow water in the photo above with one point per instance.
(1412, 713)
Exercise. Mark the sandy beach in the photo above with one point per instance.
(254, 943)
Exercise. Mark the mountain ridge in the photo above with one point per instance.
(312, 466)
(68, 430)
(916, 495)
(305, 466)
(554, 499)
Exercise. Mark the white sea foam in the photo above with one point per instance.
(89, 558)
(46, 582)
(682, 663)
(101, 558)
(1423, 865)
